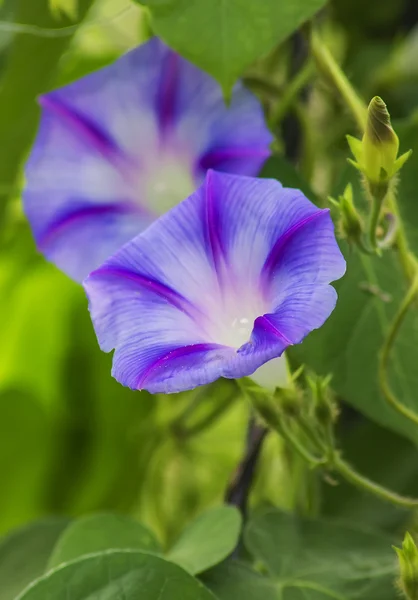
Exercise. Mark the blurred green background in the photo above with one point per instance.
(72, 440)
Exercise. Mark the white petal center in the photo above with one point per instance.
(232, 317)
(166, 180)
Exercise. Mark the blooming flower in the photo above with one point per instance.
(217, 286)
(119, 147)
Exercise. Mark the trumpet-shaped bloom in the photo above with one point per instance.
(217, 286)
(120, 146)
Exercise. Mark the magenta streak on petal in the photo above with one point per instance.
(265, 323)
(57, 227)
(213, 158)
(151, 285)
(180, 352)
(280, 244)
(82, 125)
(167, 92)
(212, 228)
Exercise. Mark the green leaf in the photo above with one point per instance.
(348, 344)
(26, 444)
(321, 559)
(118, 575)
(383, 456)
(96, 533)
(24, 555)
(223, 37)
(30, 68)
(207, 540)
(64, 7)
(277, 167)
(236, 581)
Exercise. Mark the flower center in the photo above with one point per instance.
(168, 180)
(232, 318)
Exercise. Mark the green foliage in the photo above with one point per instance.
(383, 456)
(207, 540)
(140, 480)
(349, 343)
(24, 555)
(237, 581)
(30, 69)
(321, 559)
(223, 37)
(94, 533)
(118, 575)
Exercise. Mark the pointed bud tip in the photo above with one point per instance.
(408, 566)
(379, 127)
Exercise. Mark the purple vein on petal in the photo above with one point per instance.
(151, 285)
(58, 226)
(212, 226)
(213, 158)
(182, 351)
(167, 91)
(265, 323)
(82, 125)
(277, 250)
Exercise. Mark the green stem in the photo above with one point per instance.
(401, 240)
(290, 438)
(376, 209)
(182, 430)
(363, 483)
(268, 410)
(263, 86)
(332, 71)
(385, 354)
(291, 92)
(328, 66)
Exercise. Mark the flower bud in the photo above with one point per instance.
(325, 409)
(380, 142)
(350, 221)
(376, 154)
(408, 564)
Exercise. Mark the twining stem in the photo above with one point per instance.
(180, 425)
(385, 353)
(376, 209)
(291, 92)
(330, 69)
(401, 240)
(269, 410)
(238, 491)
(363, 483)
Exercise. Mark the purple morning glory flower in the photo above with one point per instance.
(217, 286)
(121, 146)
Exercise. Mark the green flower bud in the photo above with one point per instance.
(350, 222)
(380, 142)
(325, 409)
(376, 154)
(408, 564)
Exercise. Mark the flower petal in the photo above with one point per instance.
(153, 329)
(140, 132)
(218, 286)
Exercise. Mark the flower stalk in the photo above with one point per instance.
(308, 428)
(386, 350)
(368, 120)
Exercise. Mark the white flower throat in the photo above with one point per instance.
(168, 180)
